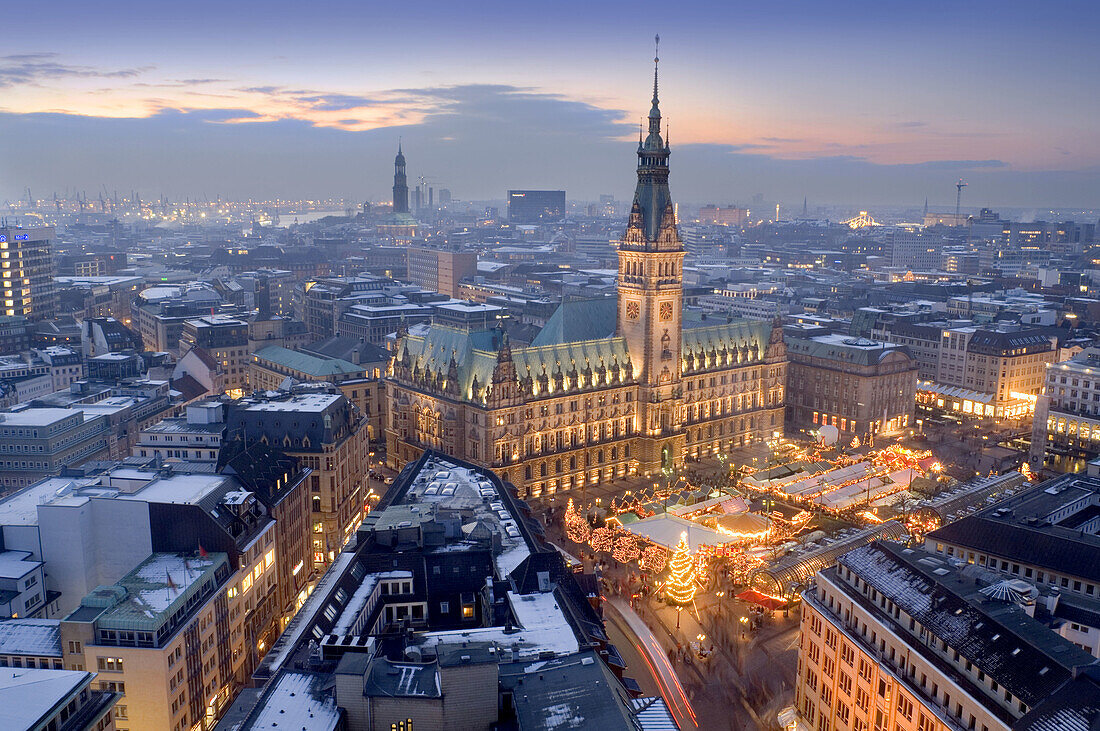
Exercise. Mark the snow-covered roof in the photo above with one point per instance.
(296, 700)
(34, 637)
(28, 695)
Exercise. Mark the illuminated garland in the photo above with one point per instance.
(680, 587)
(576, 527)
(626, 548)
(654, 559)
(602, 539)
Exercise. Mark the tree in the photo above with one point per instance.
(654, 559)
(576, 526)
(626, 548)
(680, 587)
(602, 539)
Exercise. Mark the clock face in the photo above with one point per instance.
(633, 310)
(666, 311)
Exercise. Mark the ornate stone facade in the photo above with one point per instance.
(600, 393)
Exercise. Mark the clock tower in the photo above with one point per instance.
(650, 291)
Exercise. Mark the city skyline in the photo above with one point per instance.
(858, 105)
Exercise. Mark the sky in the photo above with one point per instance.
(860, 103)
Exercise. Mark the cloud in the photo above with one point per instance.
(478, 140)
(30, 69)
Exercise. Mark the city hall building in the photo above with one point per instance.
(608, 387)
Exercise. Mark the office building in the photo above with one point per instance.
(1066, 427)
(440, 270)
(320, 427)
(35, 443)
(91, 527)
(1001, 370)
(27, 272)
(915, 249)
(536, 206)
(225, 341)
(164, 634)
(194, 437)
(904, 639)
(1046, 537)
(37, 698)
(15, 336)
(862, 387)
(359, 379)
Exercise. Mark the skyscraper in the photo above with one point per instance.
(26, 273)
(400, 185)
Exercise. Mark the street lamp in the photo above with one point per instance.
(720, 594)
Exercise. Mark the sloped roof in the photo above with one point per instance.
(344, 347)
(752, 333)
(311, 365)
(580, 320)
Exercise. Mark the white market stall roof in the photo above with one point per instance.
(665, 530)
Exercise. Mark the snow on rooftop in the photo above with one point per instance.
(292, 703)
(157, 583)
(35, 417)
(359, 599)
(37, 637)
(21, 508)
(27, 695)
(181, 489)
(543, 628)
(16, 564)
(299, 402)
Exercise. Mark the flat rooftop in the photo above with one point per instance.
(37, 637)
(313, 402)
(148, 596)
(26, 695)
(34, 417)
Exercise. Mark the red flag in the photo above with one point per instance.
(202, 551)
(168, 576)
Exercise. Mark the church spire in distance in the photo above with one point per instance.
(400, 182)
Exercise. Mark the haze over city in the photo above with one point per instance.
(845, 103)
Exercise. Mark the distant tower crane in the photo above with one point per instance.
(958, 198)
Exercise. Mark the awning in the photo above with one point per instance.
(763, 600)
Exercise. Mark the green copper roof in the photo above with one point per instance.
(309, 364)
(475, 357)
(742, 339)
(581, 320)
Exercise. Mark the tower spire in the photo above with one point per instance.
(655, 111)
(656, 61)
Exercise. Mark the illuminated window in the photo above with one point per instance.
(246, 583)
(269, 558)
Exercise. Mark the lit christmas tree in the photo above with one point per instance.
(654, 559)
(626, 548)
(680, 587)
(576, 527)
(602, 539)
